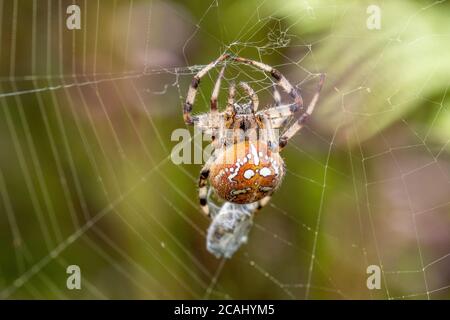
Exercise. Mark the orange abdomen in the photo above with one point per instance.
(246, 172)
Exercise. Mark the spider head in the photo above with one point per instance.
(241, 109)
(244, 118)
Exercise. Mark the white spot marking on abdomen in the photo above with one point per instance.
(265, 172)
(255, 154)
(248, 174)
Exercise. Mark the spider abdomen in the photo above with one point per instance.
(246, 172)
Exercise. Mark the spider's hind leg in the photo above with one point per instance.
(203, 190)
(202, 185)
(262, 203)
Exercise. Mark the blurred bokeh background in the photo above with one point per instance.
(86, 176)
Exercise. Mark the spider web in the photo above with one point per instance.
(86, 176)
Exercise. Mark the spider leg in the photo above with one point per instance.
(215, 93)
(230, 111)
(192, 92)
(231, 94)
(249, 90)
(282, 111)
(276, 96)
(279, 122)
(210, 128)
(280, 79)
(291, 131)
(278, 116)
(203, 122)
(214, 115)
(262, 203)
(202, 182)
(268, 134)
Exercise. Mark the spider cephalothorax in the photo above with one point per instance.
(243, 108)
(246, 166)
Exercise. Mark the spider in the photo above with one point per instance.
(246, 168)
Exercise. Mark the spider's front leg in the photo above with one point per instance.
(292, 130)
(192, 92)
(251, 93)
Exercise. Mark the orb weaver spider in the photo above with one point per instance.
(245, 170)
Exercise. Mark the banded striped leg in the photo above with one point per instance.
(291, 131)
(215, 93)
(230, 111)
(280, 80)
(283, 111)
(214, 105)
(268, 134)
(276, 96)
(278, 116)
(262, 203)
(278, 123)
(202, 182)
(230, 103)
(190, 99)
(249, 90)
